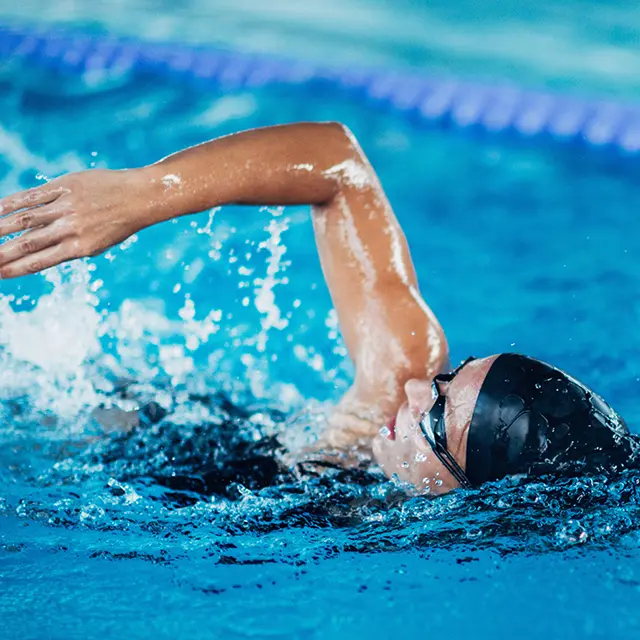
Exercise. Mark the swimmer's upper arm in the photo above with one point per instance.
(390, 332)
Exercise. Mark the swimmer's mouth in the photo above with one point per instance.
(391, 427)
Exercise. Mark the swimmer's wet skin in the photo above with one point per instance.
(493, 417)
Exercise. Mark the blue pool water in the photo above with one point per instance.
(527, 248)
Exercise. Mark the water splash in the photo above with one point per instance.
(45, 352)
(264, 294)
(222, 480)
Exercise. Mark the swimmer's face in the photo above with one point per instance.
(401, 448)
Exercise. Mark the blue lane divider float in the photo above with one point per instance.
(494, 109)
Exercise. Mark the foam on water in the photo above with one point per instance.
(44, 351)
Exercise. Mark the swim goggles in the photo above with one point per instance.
(434, 429)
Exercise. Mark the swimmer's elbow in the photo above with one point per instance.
(342, 137)
(342, 154)
(336, 128)
(334, 160)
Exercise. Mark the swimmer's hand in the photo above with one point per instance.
(76, 216)
(83, 214)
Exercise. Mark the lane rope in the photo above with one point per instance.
(441, 101)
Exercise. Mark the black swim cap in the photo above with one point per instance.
(534, 419)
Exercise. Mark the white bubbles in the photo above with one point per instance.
(91, 514)
(188, 311)
(264, 294)
(174, 361)
(96, 285)
(308, 355)
(50, 344)
(129, 496)
(573, 532)
(131, 240)
(193, 270)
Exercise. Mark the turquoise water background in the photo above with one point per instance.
(517, 247)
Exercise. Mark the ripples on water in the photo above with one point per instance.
(218, 479)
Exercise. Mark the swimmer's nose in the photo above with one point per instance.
(419, 396)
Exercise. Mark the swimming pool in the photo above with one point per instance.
(517, 246)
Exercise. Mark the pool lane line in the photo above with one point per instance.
(446, 102)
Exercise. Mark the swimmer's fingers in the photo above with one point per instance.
(32, 197)
(36, 262)
(30, 242)
(29, 219)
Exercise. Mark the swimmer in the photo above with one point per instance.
(438, 429)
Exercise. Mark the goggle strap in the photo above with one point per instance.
(437, 439)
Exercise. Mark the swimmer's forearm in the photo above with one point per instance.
(283, 165)
(83, 214)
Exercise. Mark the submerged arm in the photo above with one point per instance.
(389, 331)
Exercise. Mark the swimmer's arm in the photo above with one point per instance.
(389, 331)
